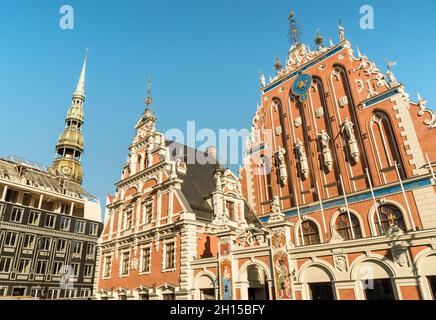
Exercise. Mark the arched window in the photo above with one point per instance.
(390, 215)
(343, 226)
(385, 147)
(310, 232)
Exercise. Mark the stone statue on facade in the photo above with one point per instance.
(281, 164)
(325, 149)
(348, 132)
(304, 166)
(262, 79)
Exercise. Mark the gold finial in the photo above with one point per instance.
(148, 100)
(294, 33)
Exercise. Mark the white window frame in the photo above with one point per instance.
(93, 249)
(105, 259)
(64, 246)
(49, 243)
(37, 267)
(93, 229)
(146, 212)
(1, 215)
(34, 213)
(61, 226)
(54, 221)
(21, 210)
(85, 293)
(76, 271)
(32, 242)
(16, 235)
(10, 264)
(88, 265)
(81, 230)
(122, 264)
(164, 256)
(141, 267)
(57, 272)
(81, 247)
(5, 288)
(56, 293)
(29, 261)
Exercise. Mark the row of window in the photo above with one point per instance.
(168, 262)
(44, 244)
(51, 293)
(50, 220)
(348, 227)
(58, 268)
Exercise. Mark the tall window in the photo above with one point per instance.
(385, 147)
(34, 218)
(80, 226)
(343, 227)
(146, 259)
(93, 230)
(16, 215)
(57, 266)
(390, 215)
(76, 269)
(148, 212)
(231, 210)
(61, 245)
(11, 239)
(44, 244)
(107, 266)
(128, 220)
(310, 232)
(29, 241)
(5, 264)
(88, 270)
(41, 266)
(65, 224)
(24, 266)
(169, 256)
(77, 248)
(125, 264)
(90, 249)
(50, 221)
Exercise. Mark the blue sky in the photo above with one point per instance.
(203, 55)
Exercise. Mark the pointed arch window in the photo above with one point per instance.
(385, 146)
(309, 230)
(390, 215)
(344, 226)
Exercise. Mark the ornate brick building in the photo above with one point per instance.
(335, 199)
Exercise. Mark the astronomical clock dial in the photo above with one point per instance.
(301, 86)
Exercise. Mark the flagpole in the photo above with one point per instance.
(346, 206)
(382, 231)
(299, 220)
(322, 211)
(405, 197)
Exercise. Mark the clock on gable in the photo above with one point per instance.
(301, 86)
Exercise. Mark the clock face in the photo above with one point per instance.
(301, 86)
(66, 170)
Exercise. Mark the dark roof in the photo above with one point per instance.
(199, 181)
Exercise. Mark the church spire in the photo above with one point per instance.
(80, 88)
(69, 148)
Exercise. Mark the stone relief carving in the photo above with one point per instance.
(319, 112)
(422, 103)
(341, 263)
(400, 256)
(298, 122)
(348, 132)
